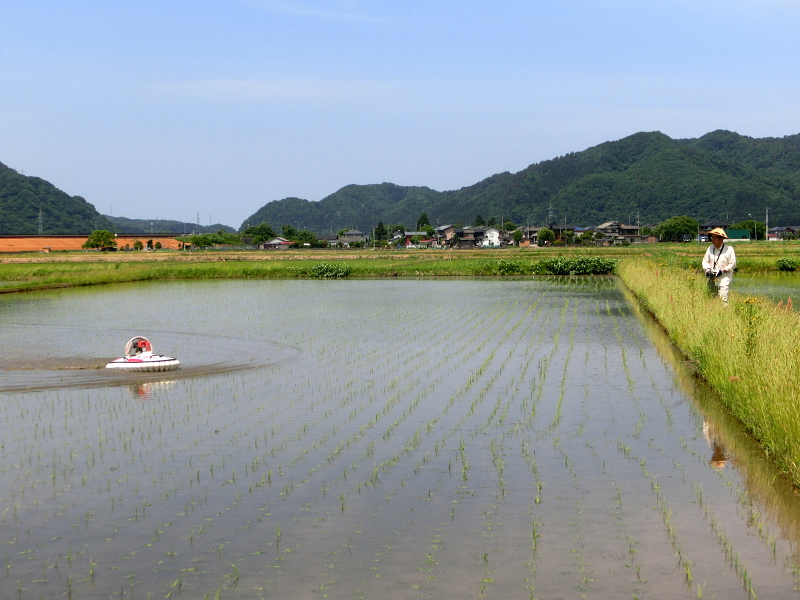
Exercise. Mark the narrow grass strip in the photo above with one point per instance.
(23, 277)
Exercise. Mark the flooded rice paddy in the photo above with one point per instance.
(374, 439)
(778, 287)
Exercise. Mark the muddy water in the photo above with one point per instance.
(374, 439)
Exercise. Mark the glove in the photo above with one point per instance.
(719, 273)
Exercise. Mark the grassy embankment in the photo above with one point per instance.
(35, 272)
(749, 352)
(32, 271)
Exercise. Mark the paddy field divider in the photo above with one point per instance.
(748, 351)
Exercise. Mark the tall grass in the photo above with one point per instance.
(749, 352)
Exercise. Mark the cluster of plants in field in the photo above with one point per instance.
(501, 267)
(330, 270)
(579, 265)
(559, 265)
(207, 240)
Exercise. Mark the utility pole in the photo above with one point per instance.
(766, 233)
(40, 222)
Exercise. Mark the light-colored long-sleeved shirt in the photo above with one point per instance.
(722, 259)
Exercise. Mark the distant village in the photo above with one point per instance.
(611, 233)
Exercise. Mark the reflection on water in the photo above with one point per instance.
(372, 439)
(145, 390)
(718, 457)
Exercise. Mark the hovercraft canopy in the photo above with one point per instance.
(138, 345)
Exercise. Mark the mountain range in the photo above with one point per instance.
(646, 177)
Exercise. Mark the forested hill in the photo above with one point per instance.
(21, 198)
(721, 175)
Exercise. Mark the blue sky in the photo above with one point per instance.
(166, 109)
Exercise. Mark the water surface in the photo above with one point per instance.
(778, 287)
(375, 439)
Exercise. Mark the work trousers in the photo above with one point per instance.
(720, 286)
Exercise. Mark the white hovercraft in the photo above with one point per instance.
(139, 357)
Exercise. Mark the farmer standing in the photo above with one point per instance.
(718, 263)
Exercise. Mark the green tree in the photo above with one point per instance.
(646, 230)
(491, 222)
(306, 237)
(518, 236)
(101, 238)
(261, 233)
(509, 226)
(545, 236)
(587, 237)
(299, 236)
(392, 229)
(429, 230)
(138, 245)
(674, 228)
(755, 227)
(479, 221)
(380, 231)
(422, 221)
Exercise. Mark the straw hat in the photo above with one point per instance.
(719, 231)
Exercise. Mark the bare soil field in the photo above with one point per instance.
(45, 245)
